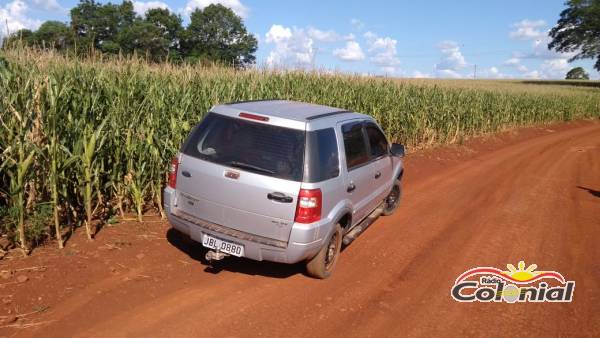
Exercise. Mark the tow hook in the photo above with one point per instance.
(215, 255)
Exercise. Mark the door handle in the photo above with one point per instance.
(279, 197)
(377, 175)
(351, 187)
(186, 173)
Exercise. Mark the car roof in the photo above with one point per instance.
(291, 110)
(290, 114)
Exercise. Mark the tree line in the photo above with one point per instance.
(214, 34)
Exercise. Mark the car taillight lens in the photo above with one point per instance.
(173, 172)
(308, 209)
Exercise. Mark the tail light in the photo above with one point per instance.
(309, 205)
(173, 172)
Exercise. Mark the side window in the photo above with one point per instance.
(377, 141)
(321, 161)
(354, 144)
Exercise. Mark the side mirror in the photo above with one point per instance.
(397, 150)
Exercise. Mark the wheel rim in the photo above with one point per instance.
(332, 248)
(393, 198)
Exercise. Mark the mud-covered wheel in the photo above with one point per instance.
(322, 265)
(392, 201)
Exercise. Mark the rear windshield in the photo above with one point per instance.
(251, 146)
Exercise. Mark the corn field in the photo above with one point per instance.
(83, 142)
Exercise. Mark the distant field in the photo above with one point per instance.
(531, 86)
(95, 136)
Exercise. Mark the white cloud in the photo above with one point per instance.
(292, 47)
(278, 34)
(357, 24)
(352, 52)
(418, 75)
(383, 52)
(516, 64)
(549, 69)
(141, 7)
(554, 65)
(13, 16)
(389, 70)
(295, 47)
(493, 73)
(448, 73)
(540, 50)
(533, 30)
(323, 36)
(451, 61)
(327, 36)
(370, 35)
(554, 69)
(49, 5)
(513, 62)
(532, 75)
(236, 6)
(528, 30)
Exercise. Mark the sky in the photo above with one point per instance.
(440, 39)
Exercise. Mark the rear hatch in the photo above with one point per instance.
(242, 174)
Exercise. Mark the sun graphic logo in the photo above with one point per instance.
(521, 284)
(522, 274)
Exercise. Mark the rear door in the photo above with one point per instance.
(359, 169)
(380, 155)
(242, 174)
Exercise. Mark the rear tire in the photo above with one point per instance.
(392, 201)
(322, 265)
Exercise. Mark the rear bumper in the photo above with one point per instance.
(305, 239)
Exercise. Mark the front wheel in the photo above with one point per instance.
(392, 201)
(322, 265)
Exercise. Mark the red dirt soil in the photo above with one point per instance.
(531, 194)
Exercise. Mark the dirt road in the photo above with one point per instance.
(532, 197)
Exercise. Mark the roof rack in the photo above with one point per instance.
(246, 101)
(314, 117)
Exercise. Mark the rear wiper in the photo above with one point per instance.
(243, 165)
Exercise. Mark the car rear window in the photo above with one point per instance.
(250, 146)
(321, 156)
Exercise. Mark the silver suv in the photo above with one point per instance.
(282, 181)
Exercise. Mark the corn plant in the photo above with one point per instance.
(16, 163)
(94, 136)
(86, 148)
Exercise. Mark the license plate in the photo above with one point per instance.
(223, 246)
